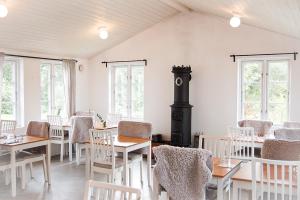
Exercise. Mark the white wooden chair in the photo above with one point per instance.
(103, 155)
(22, 160)
(217, 145)
(8, 126)
(57, 134)
(241, 142)
(275, 180)
(108, 191)
(137, 130)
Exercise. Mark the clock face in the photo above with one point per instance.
(178, 81)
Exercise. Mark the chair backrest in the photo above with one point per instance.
(273, 178)
(102, 147)
(80, 128)
(54, 120)
(113, 119)
(241, 142)
(261, 128)
(135, 129)
(291, 124)
(108, 191)
(38, 129)
(85, 113)
(217, 145)
(8, 126)
(274, 149)
(287, 133)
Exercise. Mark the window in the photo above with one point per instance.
(127, 90)
(52, 90)
(10, 97)
(265, 90)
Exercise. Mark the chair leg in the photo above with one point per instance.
(62, 152)
(141, 173)
(23, 174)
(31, 170)
(77, 154)
(92, 174)
(45, 168)
(7, 177)
(130, 177)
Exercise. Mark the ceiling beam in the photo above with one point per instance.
(176, 5)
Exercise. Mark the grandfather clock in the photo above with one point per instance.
(181, 110)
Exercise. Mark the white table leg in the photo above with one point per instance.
(235, 191)
(70, 150)
(48, 153)
(87, 162)
(149, 165)
(70, 145)
(220, 190)
(125, 160)
(13, 172)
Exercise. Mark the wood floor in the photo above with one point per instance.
(68, 182)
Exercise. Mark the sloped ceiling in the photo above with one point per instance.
(69, 27)
(281, 16)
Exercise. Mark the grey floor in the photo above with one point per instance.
(68, 182)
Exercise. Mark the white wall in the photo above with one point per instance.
(31, 85)
(204, 42)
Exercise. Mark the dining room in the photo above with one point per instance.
(149, 99)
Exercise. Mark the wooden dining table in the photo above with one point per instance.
(21, 143)
(124, 145)
(222, 173)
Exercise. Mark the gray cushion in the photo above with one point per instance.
(281, 150)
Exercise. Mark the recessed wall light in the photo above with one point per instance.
(103, 32)
(235, 21)
(3, 9)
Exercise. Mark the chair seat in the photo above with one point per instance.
(118, 163)
(131, 156)
(20, 156)
(66, 137)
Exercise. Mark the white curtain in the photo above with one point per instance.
(70, 86)
(2, 55)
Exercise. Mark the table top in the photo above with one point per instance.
(124, 141)
(22, 140)
(245, 173)
(219, 171)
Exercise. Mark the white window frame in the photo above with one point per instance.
(51, 100)
(128, 65)
(264, 86)
(17, 86)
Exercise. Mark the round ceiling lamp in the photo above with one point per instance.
(103, 33)
(3, 9)
(235, 21)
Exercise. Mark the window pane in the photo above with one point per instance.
(45, 90)
(59, 92)
(121, 91)
(8, 110)
(278, 91)
(251, 89)
(137, 92)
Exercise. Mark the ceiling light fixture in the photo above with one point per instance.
(235, 21)
(103, 33)
(3, 9)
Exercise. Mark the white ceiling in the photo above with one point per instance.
(281, 16)
(69, 27)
